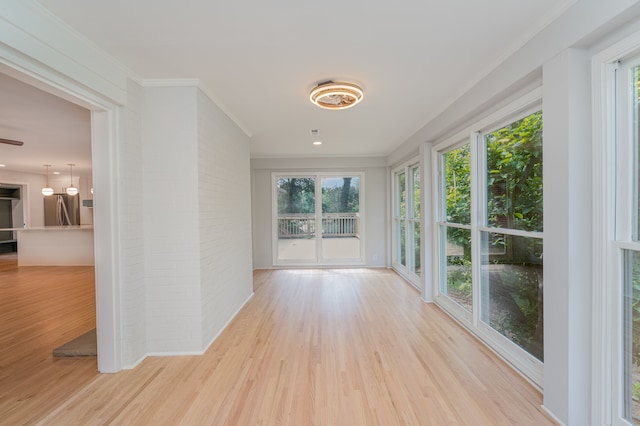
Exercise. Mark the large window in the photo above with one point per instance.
(489, 240)
(318, 219)
(625, 307)
(511, 235)
(406, 221)
(455, 227)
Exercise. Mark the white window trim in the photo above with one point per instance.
(526, 364)
(606, 251)
(404, 271)
(320, 262)
(459, 312)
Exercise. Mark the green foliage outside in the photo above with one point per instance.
(458, 186)
(297, 200)
(634, 290)
(457, 169)
(341, 195)
(514, 178)
(402, 194)
(405, 226)
(633, 296)
(296, 195)
(514, 201)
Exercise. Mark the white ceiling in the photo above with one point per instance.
(54, 131)
(260, 59)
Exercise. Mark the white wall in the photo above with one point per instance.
(224, 192)
(196, 218)
(567, 236)
(376, 198)
(32, 195)
(171, 235)
(134, 323)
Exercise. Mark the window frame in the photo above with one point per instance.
(410, 217)
(609, 243)
(461, 313)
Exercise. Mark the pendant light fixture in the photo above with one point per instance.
(47, 190)
(72, 190)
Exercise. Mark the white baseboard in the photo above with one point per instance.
(550, 414)
(189, 353)
(228, 322)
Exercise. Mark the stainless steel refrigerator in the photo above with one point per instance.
(62, 210)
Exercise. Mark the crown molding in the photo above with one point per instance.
(170, 82)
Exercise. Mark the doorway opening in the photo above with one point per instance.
(53, 131)
(11, 215)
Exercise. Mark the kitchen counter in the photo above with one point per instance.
(51, 228)
(48, 228)
(55, 246)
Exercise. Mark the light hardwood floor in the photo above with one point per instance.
(321, 347)
(41, 308)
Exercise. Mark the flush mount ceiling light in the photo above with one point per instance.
(332, 95)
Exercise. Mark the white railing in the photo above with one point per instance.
(298, 225)
(334, 225)
(340, 225)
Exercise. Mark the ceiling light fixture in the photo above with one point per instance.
(332, 95)
(317, 143)
(47, 190)
(72, 190)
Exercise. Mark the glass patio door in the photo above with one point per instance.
(340, 218)
(296, 218)
(318, 219)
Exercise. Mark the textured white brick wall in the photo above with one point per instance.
(225, 218)
(131, 215)
(170, 196)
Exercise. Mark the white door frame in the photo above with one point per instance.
(106, 128)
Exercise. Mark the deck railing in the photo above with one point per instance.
(298, 225)
(340, 225)
(334, 225)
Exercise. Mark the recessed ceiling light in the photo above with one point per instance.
(3, 165)
(55, 173)
(331, 95)
(317, 143)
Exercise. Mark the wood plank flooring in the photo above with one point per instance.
(312, 347)
(41, 308)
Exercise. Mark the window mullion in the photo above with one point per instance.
(478, 217)
(509, 231)
(408, 183)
